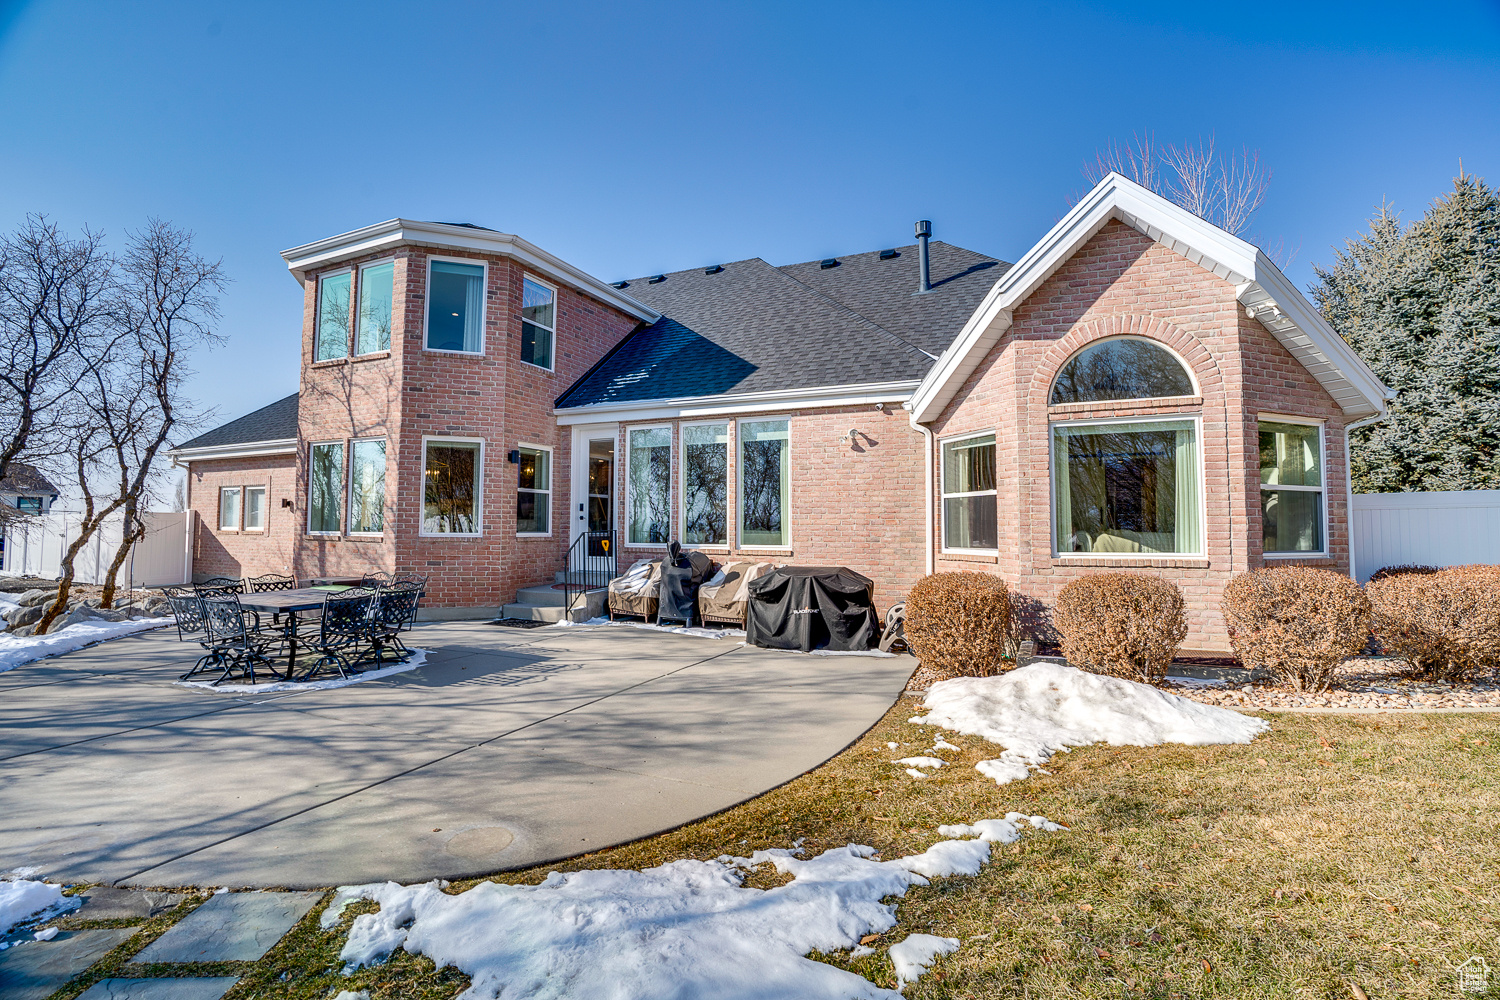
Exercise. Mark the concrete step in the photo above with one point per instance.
(586, 606)
(577, 576)
(542, 595)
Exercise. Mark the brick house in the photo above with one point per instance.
(1141, 390)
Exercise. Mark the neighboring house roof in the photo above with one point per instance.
(268, 430)
(22, 478)
(1267, 294)
(455, 236)
(751, 328)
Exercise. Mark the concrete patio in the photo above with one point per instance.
(508, 748)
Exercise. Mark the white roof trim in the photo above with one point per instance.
(1266, 293)
(246, 449)
(740, 402)
(392, 232)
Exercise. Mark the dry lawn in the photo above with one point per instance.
(1337, 852)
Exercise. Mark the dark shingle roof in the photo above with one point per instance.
(276, 422)
(23, 478)
(756, 328)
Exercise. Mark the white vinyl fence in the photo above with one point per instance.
(1429, 529)
(34, 546)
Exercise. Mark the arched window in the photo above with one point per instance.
(1122, 368)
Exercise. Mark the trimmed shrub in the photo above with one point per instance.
(1297, 622)
(959, 623)
(1403, 570)
(1121, 624)
(1445, 625)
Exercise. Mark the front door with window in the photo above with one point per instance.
(593, 507)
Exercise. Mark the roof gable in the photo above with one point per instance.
(276, 423)
(1266, 293)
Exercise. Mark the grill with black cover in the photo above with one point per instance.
(812, 607)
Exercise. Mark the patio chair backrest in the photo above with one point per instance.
(224, 618)
(346, 613)
(376, 580)
(271, 581)
(187, 609)
(411, 579)
(220, 585)
(396, 607)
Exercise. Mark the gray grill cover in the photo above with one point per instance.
(682, 573)
(812, 607)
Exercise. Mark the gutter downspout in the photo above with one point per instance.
(927, 485)
(1349, 485)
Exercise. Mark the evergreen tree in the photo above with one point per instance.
(1421, 305)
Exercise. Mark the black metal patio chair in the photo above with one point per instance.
(192, 626)
(373, 580)
(220, 584)
(236, 646)
(414, 579)
(343, 632)
(393, 612)
(271, 581)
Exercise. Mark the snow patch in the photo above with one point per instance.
(920, 761)
(18, 649)
(845, 652)
(942, 744)
(1037, 710)
(418, 657)
(915, 773)
(22, 899)
(701, 633)
(912, 956)
(1003, 831)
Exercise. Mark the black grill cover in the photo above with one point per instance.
(682, 573)
(812, 607)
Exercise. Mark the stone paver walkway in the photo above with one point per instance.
(198, 988)
(231, 927)
(35, 969)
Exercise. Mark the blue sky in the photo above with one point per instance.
(632, 138)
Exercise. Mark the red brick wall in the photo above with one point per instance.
(244, 553)
(1122, 282)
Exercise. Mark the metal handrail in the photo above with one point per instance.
(589, 565)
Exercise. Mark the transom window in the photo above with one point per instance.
(969, 511)
(1127, 487)
(332, 337)
(1122, 368)
(1291, 487)
(455, 307)
(538, 323)
(534, 492)
(705, 484)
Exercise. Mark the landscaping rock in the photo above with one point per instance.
(32, 597)
(108, 615)
(23, 631)
(26, 615)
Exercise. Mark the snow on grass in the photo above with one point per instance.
(683, 929)
(18, 649)
(942, 744)
(1036, 710)
(1004, 831)
(22, 899)
(916, 952)
(915, 773)
(418, 657)
(920, 761)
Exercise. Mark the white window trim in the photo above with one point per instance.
(318, 315)
(1192, 375)
(551, 513)
(265, 510)
(1322, 426)
(629, 494)
(239, 518)
(359, 290)
(943, 496)
(349, 491)
(422, 532)
(484, 308)
(1196, 419)
(556, 304)
(342, 478)
(739, 508)
(729, 426)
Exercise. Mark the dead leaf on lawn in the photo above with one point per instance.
(868, 938)
(1085, 907)
(1206, 966)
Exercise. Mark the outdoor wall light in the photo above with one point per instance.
(286, 502)
(851, 436)
(514, 457)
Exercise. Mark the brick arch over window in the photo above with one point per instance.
(1188, 349)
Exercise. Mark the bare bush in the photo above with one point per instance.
(1446, 625)
(1121, 624)
(960, 623)
(1402, 570)
(1297, 622)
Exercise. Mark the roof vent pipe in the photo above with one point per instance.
(924, 233)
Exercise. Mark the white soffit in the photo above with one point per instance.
(1265, 292)
(444, 236)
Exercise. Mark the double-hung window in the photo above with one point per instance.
(534, 492)
(325, 487)
(450, 487)
(969, 504)
(255, 508)
(649, 485)
(229, 508)
(1291, 487)
(765, 489)
(538, 323)
(373, 329)
(705, 484)
(331, 339)
(367, 487)
(455, 306)
(1127, 487)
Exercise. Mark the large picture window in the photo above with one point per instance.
(325, 487)
(1127, 487)
(705, 484)
(765, 483)
(534, 492)
(455, 306)
(332, 337)
(538, 323)
(376, 284)
(1291, 487)
(367, 487)
(229, 509)
(450, 487)
(969, 511)
(649, 488)
(1122, 368)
